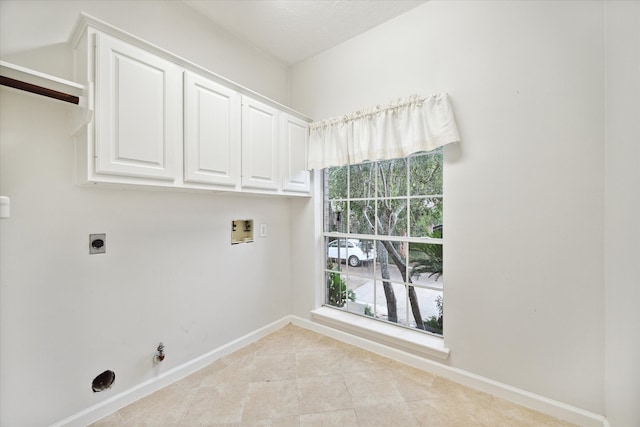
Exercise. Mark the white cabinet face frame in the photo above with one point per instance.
(212, 132)
(138, 112)
(295, 139)
(260, 145)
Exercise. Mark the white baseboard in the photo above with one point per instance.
(530, 400)
(109, 406)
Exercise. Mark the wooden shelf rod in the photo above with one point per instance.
(39, 90)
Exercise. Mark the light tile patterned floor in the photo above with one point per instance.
(296, 377)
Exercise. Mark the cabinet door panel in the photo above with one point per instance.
(138, 112)
(260, 164)
(295, 138)
(212, 125)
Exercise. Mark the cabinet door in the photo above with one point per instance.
(295, 139)
(138, 112)
(212, 132)
(260, 165)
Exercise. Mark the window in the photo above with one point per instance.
(383, 240)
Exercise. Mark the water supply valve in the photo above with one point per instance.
(159, 356)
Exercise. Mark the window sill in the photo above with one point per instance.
(403, 339)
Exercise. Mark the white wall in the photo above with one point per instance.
(169, 274)
(622, 211)
(524, 189)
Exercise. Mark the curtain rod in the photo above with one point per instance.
(39, 90)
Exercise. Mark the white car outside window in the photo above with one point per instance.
(350, 250)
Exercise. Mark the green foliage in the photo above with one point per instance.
(338, 294)
(368, 311)
(434, 324)
(425, 214)
(426, 258)
(426, 174)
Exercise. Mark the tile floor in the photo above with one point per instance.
(296, 377)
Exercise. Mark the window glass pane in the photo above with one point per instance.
(337, 185)
(426, 174)
(425, 263)
(337, 251)
(335, 254)
(426, 217)
(391, 302)
(430, 302)
(391, 265)
(337, 291)
(362, 216)
(392, 178)
(360, 256)
(392, 217)
(337, 216)
(362, 181)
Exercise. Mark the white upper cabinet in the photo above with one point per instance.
(138, 112)
(260, 141)
(154, 119)
(212, 132)
(295, 139)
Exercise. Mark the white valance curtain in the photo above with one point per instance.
(391, 131)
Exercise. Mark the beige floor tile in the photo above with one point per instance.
(322, 394)
(290, 421)
(217, 405)
(395, 414)
(113, 420)
(442, 413)
(281, 341)
(466, 396)
(412, 383)
(341, 359)
(174, 396)
(322, 363)
(168, 416)
(235, 371)
(368, 388)
(268, 400)
(315, 342)
(195, 379)
(343, 418)
(274, 366)
(506, 414)
(238, 356)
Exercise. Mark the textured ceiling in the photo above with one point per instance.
(294, 30)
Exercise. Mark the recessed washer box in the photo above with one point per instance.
(241, 231)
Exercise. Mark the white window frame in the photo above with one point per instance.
(402, 336)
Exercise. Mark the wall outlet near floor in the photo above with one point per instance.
(97, 243)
